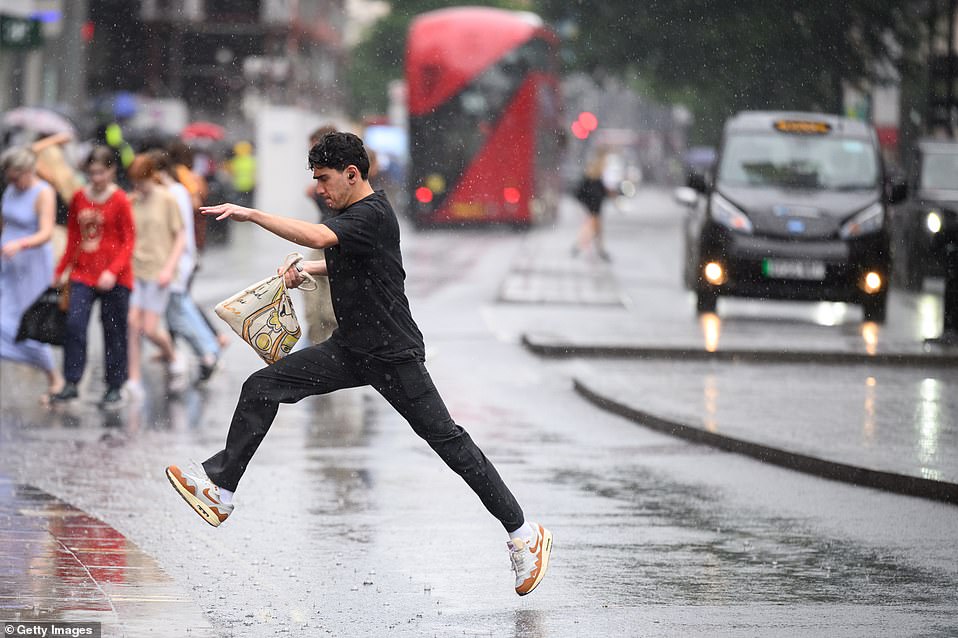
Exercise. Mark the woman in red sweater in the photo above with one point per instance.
(98, 263)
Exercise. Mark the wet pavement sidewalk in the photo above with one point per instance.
(350, 549)
(794, 384)
(62, 565)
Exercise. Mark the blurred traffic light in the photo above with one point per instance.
(584, 124)
(423, 195)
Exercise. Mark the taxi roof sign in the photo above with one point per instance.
(803, 127)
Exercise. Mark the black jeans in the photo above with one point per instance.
(406, 386)
(114, 308)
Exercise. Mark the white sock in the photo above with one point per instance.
(526, 532)
(226, 497)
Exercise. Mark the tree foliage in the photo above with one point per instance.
(716, 56)
(727, 55)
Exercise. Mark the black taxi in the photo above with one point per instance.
(795, 209)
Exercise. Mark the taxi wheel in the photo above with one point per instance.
(705, 301)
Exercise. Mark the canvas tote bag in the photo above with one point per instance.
(263, 315)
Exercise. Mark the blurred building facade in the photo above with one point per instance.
(223, 58)
(941, 105)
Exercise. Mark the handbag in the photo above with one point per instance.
(263, 315)
(45, 320)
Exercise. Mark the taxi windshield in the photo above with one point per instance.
(798, 161)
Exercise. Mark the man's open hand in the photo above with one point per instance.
(233, 211)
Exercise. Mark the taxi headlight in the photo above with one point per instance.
(867, 221)
(727, 214)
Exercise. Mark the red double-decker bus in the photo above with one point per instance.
(484, 128)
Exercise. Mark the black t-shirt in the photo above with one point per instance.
(366, 282)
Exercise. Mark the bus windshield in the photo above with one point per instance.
(798, 161)
(456, 131)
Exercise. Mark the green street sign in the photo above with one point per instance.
(19, 33)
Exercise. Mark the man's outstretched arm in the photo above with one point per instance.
(297, 231)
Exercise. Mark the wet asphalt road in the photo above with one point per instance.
(347, 525)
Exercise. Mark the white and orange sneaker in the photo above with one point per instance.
(201, 494)
(530, 558)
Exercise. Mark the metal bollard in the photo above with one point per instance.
(950, 328)
(949, 235)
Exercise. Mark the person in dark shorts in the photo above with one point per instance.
(591, 193)
(377, 343)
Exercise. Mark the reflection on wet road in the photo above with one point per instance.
(706, 555)
(61, 564)
(889, 419)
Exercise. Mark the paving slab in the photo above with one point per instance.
(60, 564)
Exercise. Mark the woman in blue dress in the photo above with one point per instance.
(28, 210)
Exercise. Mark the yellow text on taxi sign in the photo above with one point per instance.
(802, 127)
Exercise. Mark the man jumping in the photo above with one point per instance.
(377, 344)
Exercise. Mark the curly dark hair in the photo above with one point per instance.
(339, 150)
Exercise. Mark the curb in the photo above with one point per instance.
(888, 481)
(565, 349)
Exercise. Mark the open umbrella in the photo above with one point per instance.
(203, 130)
(38, 119)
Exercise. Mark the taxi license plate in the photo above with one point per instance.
(793, 269)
